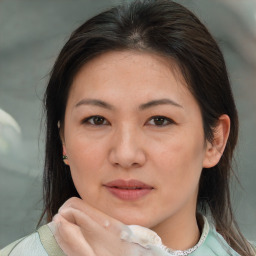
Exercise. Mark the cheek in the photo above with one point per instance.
(84, 151)
(178, 165)
(86, 161)
(179, 160)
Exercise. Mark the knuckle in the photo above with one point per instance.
(70, 202)
(73, 201)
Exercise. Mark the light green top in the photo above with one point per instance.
(43, 243)
(40, 243)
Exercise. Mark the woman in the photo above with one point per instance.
(141, 129)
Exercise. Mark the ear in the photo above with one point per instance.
(215, 149)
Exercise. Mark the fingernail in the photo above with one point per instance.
(124, 235)
(106, 224)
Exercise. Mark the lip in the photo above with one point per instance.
(128, 189)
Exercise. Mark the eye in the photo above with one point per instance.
(160, 121)
(95, 120)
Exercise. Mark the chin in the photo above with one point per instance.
(129, 219)
(135, 221)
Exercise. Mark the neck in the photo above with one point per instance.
(180, 232)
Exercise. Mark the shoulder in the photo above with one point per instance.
(39, 243)
(216, 244)
(28, 245)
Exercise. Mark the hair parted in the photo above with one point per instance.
(170, 30)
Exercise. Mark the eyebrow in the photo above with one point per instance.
(159, 102)
(95, 102)
(102, 104)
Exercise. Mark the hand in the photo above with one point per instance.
(82, 230)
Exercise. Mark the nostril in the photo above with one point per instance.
(127, 158)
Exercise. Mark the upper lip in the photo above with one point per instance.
(128, 184)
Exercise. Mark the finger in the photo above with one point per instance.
(90, 228)
(70, 238)
(95, 235)
(99, 239)
(79, 218)
(96, 215)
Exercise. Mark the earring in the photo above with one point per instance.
(65, 159)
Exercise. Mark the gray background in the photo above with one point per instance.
(32, 33)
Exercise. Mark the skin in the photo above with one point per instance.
(130, 144)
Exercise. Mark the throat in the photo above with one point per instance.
(179, 235)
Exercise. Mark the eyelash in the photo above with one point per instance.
(87, 120)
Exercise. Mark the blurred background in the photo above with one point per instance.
(32, 32)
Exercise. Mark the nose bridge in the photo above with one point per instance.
(126, 137)
(126, 149)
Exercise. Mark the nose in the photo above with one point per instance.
(127, 150)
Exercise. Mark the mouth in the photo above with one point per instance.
(128, 190)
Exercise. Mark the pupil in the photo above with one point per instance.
(159, 120)
(98, 120)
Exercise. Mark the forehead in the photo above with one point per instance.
(129, 75)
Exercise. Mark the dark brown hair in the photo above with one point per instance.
(166, 28)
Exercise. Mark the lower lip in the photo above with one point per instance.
(129, 194)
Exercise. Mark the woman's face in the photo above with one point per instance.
(134, 138)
